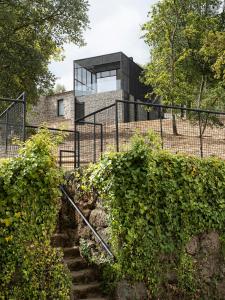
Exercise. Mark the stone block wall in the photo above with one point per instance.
(46, 110)
(206, 249)
(97, 101)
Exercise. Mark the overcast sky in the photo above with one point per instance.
(115, 26)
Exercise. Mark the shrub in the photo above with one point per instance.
(158, 201)
(29, 205)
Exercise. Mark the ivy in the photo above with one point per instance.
(29, 205)
(157, 202)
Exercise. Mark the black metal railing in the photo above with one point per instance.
(104, 245)
(12, 124)
(197, 132)
(67, 156)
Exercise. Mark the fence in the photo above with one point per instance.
(193, 131)
(65, 154)
(13, 128)
(12, 124)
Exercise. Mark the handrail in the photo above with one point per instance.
(95, 112)
(14, 101)
(51, 129)
(104, 245)
(172, 107)
(7, 109)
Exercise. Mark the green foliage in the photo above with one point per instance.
(32, 33)
(29, 205)
(187, 43)
(157, 202)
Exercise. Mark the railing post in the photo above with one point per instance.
(200, 134)
(94, 138)
(78, 149)
(60, 158)
(161, 125)
(101, 128)
(6, 133)
(24, 116)
(117, 126)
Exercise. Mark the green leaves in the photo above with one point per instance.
(29, 205)
(32, 33)
(186, 40)
(157, 202)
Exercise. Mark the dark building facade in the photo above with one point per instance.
(103, 79)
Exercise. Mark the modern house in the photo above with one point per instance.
(98, 82)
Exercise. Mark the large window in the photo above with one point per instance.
(107, 81)
(89, 82)
(60, 107)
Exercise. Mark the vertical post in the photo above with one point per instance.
(6, 132)
(78, 149)
(74, 114)
(200, 134)
(24, 116)
(161, 125)
(101, 128)
(60, 158)
(117, 126)
(94, 138)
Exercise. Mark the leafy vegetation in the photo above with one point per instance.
(187, 49)
(157, 202)
(29, 205)
(31, 34)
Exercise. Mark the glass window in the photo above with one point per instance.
(104, 74)
(106, 84)
(60, 107)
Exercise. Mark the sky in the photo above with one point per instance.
(115, 25)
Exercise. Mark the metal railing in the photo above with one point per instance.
(66, 153)
(12, 124)
(77, 209)
(198, 132)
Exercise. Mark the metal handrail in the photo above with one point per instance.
(51, 129)
(7, 109)
(95, 112)
(103, 243)
(172, 107)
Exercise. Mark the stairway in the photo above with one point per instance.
(86, 284)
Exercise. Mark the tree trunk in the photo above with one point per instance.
(202, 85)
(174, 123)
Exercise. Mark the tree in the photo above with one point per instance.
(31, 34)
(186, 68)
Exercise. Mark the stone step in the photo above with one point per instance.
(75, 264)
(85, 291)
(71, 252)
(83, 276)
(60, 240)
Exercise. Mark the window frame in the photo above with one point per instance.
(58, 107)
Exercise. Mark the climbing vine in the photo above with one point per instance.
(29, 205)
(157, 202)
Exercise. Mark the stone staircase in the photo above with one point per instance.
(85, 279)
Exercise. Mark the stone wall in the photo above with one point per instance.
(97, 101)
(46, 111)
(206, 249)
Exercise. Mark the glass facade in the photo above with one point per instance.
(87, 82)
(107, 81)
